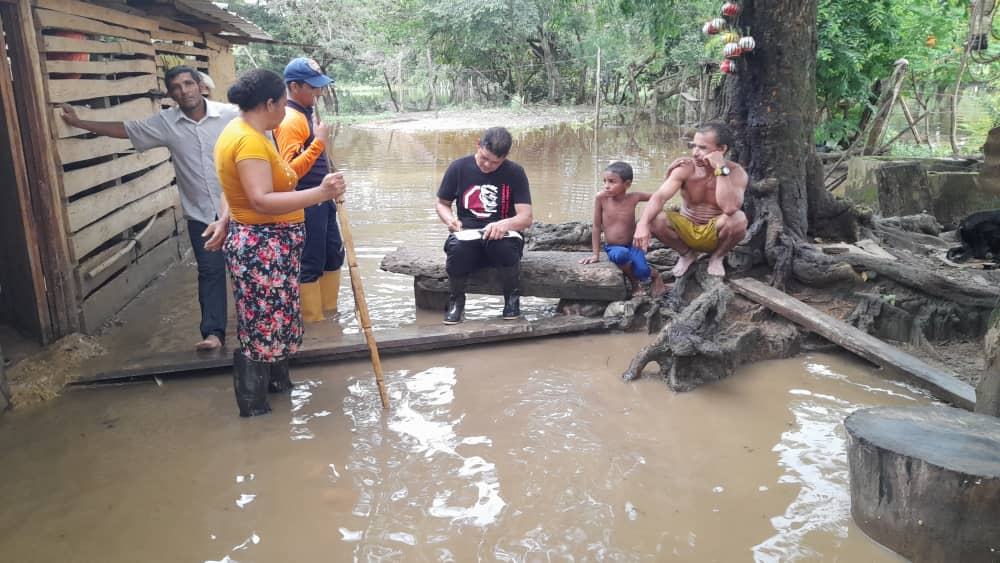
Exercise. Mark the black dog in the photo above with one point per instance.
(980, 237)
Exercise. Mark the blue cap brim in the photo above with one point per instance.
(319, 81)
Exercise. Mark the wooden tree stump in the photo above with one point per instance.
(925, 481)
(4, 388)
(988, 391)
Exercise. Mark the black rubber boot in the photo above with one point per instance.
(456, 300)
(510, 277)
(512, 305)
(250, 384)
(279, 381)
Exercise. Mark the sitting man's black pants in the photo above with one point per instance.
(467, 256)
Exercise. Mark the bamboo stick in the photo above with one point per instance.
(360, 305)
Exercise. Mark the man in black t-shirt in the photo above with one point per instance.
(493, 204)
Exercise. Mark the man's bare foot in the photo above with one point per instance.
(211, 342)
(684, 262)
(716, 267)
(658, 288)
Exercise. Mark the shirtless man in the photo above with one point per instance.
(614, 214)
(711, 190)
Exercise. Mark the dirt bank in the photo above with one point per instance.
(41, 377)
(458, 120)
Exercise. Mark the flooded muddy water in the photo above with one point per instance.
(528, 452)
(393, 177)
(522, 452)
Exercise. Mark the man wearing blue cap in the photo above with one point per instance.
(301, 140)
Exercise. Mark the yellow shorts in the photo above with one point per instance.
(703, 238)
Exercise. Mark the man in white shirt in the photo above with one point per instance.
(189, 131)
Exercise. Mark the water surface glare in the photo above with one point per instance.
(528, 452)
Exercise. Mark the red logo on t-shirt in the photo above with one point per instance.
(482, 201)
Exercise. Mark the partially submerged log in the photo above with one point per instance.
(925, 481)
(543, 274)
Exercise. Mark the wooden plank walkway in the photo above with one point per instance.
(353, 346)
(943, 385)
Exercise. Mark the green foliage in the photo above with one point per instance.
(511, 51)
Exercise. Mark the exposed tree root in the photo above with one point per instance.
(901, 292)
(701, 344)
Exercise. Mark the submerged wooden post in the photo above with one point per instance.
(925, 481)
(360, 305)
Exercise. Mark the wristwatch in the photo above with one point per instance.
(724, 171)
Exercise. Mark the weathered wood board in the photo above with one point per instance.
(102, 266)
(88, 209)
(96, 234)
(61, 91)
(943, 385)
(110, 299)
(76, 181)
(352, 346)
(61, 20)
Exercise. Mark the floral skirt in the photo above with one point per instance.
(264, 262)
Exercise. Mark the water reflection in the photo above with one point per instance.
(527, 452)
(814, 458)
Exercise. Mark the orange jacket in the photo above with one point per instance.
(291, 135)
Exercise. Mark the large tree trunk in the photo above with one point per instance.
(771, 105)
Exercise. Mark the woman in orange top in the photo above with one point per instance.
(263, 247)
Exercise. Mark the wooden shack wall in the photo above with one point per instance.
(122, 208)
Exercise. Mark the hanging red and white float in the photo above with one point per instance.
(728, 67)
(714, 26)
(730, 9)
(747, 44)
(732, 50)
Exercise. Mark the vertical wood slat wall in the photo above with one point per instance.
(123, 215)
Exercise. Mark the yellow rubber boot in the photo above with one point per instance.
(330, 285)
(312, 302)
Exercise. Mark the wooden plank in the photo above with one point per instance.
(54, 44)
(118, 66)
(61, 20)
(21, 275)
(85, 89)
(171, 24)
(43, 169)
(134, 109)
(86, 210)
(89, 238)
(77, 181)
(105, 302)
(178, 49)
(398, 341)
(96, 270)
(75, 150)
(99, 13)
(943, 385)
(167, 35)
